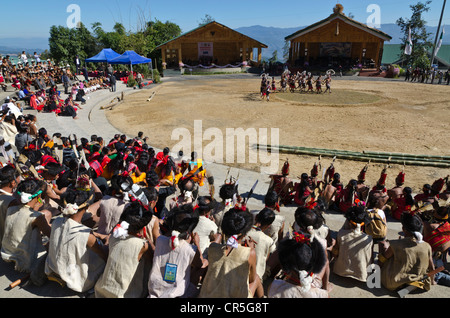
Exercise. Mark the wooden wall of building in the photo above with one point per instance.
(229, 46)
(337, 31)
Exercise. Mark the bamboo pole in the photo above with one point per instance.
(354, 156)
(393, 156)
(406, 155)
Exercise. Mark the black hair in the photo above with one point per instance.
(152, 178)
(237, 221)
(166, 151)
(227, 191)
(53, 168)
(357, 214)
(31, 186)
(305, 217)
(96, 147)
(186, 185)
(271, 199)
(411, 222)
(295, 256)
(205, 204)
(353, 183)
(442, 212)
(407, 191)
(183, 219)
(151, 194)
(78, 197)
(136, 216)
(7, 175)
(265, 217)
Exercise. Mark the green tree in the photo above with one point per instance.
(274, 57)
(207, 19)
(420, 37)
(157, 33)
(59, 43)
(286, 47)
(65, 43)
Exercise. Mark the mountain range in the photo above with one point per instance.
(273, 37)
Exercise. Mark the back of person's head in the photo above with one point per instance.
(265, 217)
(76, 200)
(357, 214)
(151, 194)
(181, 220)
(305, 217)
(227, 191)
(28, 189)
(186, 185)
(407, 192)
(237, 222)
(413, 224)
(271, 199)
(53, 168)
(166, 151)
(136, 217)
(7, 175)
(152, 178)
(96, 147)
(301, 254)
(204, 204)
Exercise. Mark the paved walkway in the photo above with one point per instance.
(92, 120)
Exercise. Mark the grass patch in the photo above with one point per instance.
(337, 97)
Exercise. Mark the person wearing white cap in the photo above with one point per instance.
(11, 108)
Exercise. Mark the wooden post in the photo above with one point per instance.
(163, 57)
(308, 53)
(290, 53)
(377, 56)
(259, 55)
(180, 55)
(244, 52)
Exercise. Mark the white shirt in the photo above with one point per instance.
(13, 109)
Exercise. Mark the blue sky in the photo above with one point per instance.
(36, 20)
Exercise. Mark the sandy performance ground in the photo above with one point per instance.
(358, 116)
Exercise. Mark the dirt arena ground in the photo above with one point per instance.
(362, 115)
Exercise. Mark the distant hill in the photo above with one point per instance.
(17, 45)
(273, 37)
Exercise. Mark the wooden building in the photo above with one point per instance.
(210, 43)
(337, 40)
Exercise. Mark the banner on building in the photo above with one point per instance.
(205, 49)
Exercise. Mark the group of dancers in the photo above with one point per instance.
(304, 82)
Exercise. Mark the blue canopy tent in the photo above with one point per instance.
(131, 58)
(105, 56)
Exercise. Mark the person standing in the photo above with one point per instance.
(24, 58)
(113, 82)
(77, 64)
(66, 81)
